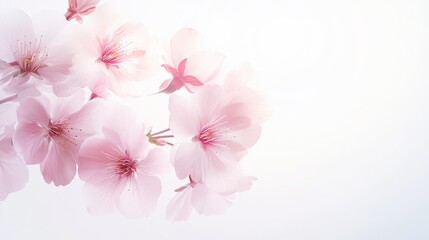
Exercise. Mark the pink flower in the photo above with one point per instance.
(119, 52)
(214, 130)
(201, 197)
(29, 54)
(120, 170)
(13, 171)
(190, 65)
(51, 130)
(79, 8)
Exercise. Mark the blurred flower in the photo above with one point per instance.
(79, 8)
(190, 65)
(213, 130)
(118, 52)
(29, 51)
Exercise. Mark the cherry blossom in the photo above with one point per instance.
(79, 8)
(51, 130)
(191, 66)
(120, 52)
(213, 130)
(30, 52)
(120, 171)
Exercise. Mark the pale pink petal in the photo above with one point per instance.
(139, 196)
(31, 140)
(102, 188)
(89, 119)
(22, 26)
(204, 65)
(241, 83)
(102, 197)
(55, 73)
(65, 106)
(208, 202)
(92, 157)
(227, 180)
(183, 119)
(13, 171)
(179, 208)
(7, 72)
(33, 110)
(155, 163)
(59, 166)
(186, 160)
(48, 24)
(244, 137)
(183, 44)
(65, 89)
(8, 111)
(207, 100)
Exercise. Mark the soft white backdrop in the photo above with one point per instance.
(345, 153)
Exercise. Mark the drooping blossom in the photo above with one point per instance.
(204, 199)
(30, 51)
(79, 8)
(120, 170)
(213, 130)
(51, 130)
(190, 65)
(13, 171)
(120, 52)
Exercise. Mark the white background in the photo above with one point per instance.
(345, 153)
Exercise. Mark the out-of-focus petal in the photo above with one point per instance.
(183, 119)
(204, 65)
(180, 208)
(183, 44)
(208, 202)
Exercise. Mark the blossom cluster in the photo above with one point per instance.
(63, 108)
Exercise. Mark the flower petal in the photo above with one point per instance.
(183, 119)
(155, 163)
(59, 166)
(31, 140)
(179, 208)
(186, 160)
(184, 43)
(13, 171)
(33, 110)
(139, 196)
(208, 202)
(204, 65)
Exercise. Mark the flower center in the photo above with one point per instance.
(212, 133)
(30, 55)
(62, 133)
(118, 50)
(125, 165)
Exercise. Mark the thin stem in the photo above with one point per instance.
(163, 131)
(163, 136)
